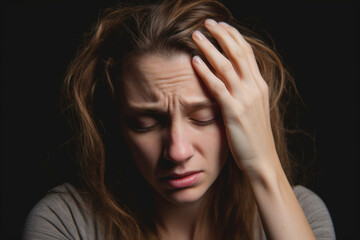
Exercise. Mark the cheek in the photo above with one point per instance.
(212, 144)
(145, 150)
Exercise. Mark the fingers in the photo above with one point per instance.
(247, 48)
(238, 71)
(216, 87)
(261, 86)
(223, 67)
(234, 48)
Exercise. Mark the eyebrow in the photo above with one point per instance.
(152, 108)
(198, 105)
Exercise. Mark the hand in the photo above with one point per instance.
(242, 93)
(238, 87)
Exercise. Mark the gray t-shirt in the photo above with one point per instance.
(63, 214)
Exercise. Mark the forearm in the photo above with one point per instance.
(243, 96)
(281, 215)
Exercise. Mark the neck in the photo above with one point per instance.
(185, 221)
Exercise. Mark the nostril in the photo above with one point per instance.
(179, 151)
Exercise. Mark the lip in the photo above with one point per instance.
(182, 180)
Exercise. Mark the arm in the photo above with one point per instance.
(242, 94)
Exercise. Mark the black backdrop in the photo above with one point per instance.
(317, 41)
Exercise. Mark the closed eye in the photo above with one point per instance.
(205, 116)
(204, 122)
(139, 128)
(143, 123)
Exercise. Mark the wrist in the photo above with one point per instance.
(267, 173)
(279, 210)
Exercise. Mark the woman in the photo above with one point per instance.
(177, 118)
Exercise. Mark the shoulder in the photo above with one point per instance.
(316, 213)
(63, 213)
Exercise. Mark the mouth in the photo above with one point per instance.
(182, 180)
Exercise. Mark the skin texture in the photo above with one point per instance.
(173, 126)
(242, 94)
(170, 139)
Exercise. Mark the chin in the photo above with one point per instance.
(185, 195)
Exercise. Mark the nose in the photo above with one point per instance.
(178, 146)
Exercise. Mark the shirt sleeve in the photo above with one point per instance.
(316, 213)
(61, 214)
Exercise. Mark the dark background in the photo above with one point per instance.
(317, 41)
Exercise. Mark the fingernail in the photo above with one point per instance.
(197, 59)
(210, 22)
(199, 35)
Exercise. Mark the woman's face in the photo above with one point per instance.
(173, 127)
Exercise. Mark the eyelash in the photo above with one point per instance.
(204, 123)
(197, 122)
(147, 129)
(143, 129)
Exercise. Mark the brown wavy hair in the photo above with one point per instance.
(92, 95)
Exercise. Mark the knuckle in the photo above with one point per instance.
(238, 54)
(233, 30)
(219, 90)
(248, 47)
(213, 83)
(243, 51)
(225, 67)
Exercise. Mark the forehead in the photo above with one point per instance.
(155, 78)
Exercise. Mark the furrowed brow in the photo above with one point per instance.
(145, 109)
(153, 108)
(198, 105)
